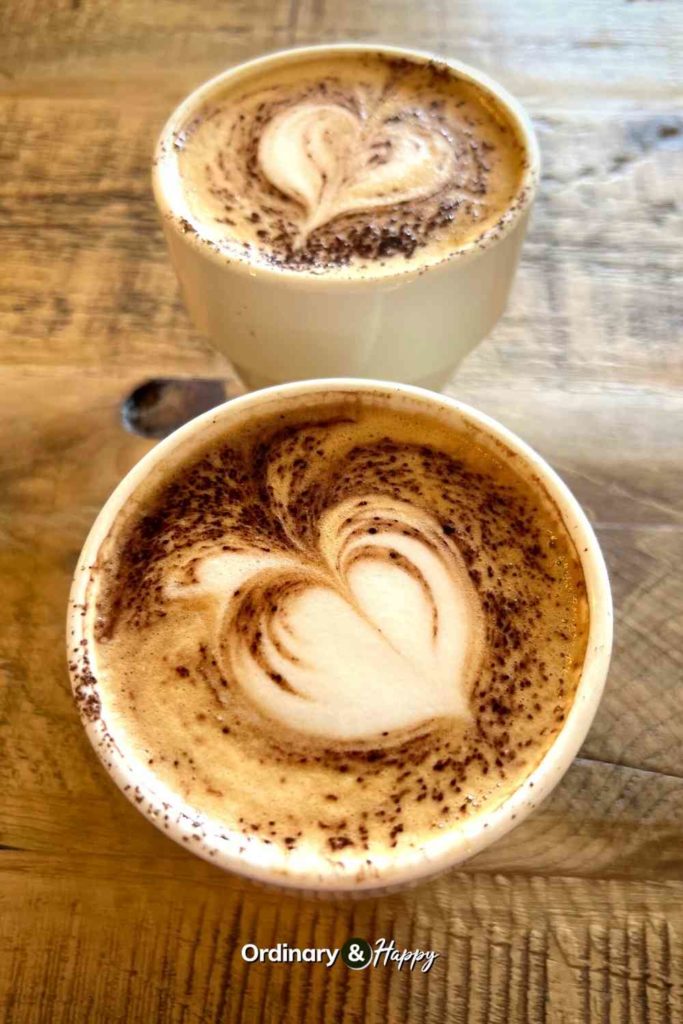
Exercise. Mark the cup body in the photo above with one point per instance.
(277, 325)
(167, 809)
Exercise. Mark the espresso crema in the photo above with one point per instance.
(335, 630)
(355, 164)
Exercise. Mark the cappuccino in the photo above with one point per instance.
(354, 164)
(336, 629)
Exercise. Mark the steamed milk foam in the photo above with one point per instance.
(350, 164)
(338, 629)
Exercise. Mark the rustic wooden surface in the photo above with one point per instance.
(578, 915)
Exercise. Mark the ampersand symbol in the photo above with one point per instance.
(356, 953)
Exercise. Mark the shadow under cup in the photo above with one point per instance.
(237, 851)
(277, 324)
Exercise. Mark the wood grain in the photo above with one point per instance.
(578, 914)
(513, 949)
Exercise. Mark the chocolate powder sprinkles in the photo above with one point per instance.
(351, 161)
(205, 596)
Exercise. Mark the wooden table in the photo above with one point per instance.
(578, 915)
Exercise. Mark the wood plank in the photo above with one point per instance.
(511, 949)
(562, 53)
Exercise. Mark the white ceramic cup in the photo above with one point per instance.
(245, 854)
(277, 325)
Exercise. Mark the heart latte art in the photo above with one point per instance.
(353, 162)
(332, 161)
(336, 629)
(379, 631)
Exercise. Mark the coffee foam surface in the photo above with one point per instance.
(340, 629)
(359, 163)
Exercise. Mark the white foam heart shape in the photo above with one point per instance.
(389, 637)
(332, 161)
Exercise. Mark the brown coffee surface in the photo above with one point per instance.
(358, 164)
(339, 629)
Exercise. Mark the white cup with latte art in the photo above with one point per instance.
(351, 210)
(339, 635)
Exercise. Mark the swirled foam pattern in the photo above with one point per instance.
(356, 163)
(340, 628)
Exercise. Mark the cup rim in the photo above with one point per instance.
(466, 838)
(178, 219)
